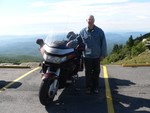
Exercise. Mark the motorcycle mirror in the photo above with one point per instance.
(40, 42)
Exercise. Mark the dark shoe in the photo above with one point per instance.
(96, 91)
(88, 91)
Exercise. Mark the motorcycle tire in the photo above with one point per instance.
(43, 93)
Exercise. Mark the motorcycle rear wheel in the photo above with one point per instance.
(43, 92)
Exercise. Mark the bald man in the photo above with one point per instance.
(95, 51)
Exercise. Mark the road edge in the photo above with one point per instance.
(110, 106)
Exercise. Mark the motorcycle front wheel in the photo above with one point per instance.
(44, 97)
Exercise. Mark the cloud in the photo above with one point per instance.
(116, 15)
(73, 2)
(39, 4)
(80, 8)
(70, 14)
(142, 17)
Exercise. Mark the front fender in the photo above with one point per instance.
(49, 76)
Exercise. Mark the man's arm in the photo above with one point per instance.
(103, 46)
(74, 43)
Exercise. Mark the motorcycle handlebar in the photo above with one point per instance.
(40, 42)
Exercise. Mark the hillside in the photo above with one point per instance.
(18, 49)
(143, 58)
(25, 44)
(22, 48)
(134, 51)
(119, 38)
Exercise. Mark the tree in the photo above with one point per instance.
(117, 48)
(130, 42)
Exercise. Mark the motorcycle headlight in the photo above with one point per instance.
(54, 59)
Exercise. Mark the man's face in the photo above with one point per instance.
(90, 21)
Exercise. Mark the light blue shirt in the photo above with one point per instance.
(95, 42)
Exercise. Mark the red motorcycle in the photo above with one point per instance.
(59, 67)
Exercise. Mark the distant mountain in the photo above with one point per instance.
(25, 44)
(19, 45)
(120, 38)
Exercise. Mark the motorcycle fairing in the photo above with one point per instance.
(57, 51)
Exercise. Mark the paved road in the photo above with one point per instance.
(129, 87)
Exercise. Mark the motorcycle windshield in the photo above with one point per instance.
(56, 41)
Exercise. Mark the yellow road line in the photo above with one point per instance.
(110, 106)
(14, 66)
(8, 85)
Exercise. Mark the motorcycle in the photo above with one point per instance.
(59, 67)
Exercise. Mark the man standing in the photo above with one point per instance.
(95, 51)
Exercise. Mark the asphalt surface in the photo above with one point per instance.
(130, 90)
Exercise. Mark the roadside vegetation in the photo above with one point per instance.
(133, 52)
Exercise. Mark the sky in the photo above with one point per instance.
(23, 17)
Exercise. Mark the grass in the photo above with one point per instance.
(143, 58)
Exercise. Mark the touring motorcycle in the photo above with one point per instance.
(59, 67)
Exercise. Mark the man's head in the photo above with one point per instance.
(90, 20)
